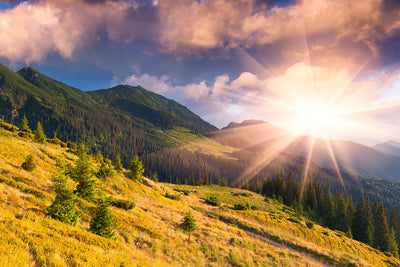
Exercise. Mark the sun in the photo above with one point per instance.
(319, 119)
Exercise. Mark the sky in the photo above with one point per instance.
(328, 68)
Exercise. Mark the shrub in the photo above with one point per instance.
(29, 164)
(122, 203)
(8, 127)
(295, 220)
(213, 201)
(310, 225)
(106, 169)
(71, 145)
(172, 196)
(242, 207)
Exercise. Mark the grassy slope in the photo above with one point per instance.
(198, 143)
(149, 234)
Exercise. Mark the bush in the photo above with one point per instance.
(171, 196)
(71, 145)
(310, 225)
(56, 141)
(29, 164)
(243, 207)
(122, 203)
(8, 127)
(106, 169)
(295, 220)
(213, 201)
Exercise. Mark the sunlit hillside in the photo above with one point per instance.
(149, 234)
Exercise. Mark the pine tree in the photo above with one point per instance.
(393, 246)
(29, 164)
(39, 134)
(102, 222)
(188, 224)
(382, 230)
(350, 210)
(117, 164)
(63, 207)
(362, 228)
(82, 173)
(25, 126)
(135, 169)
(25, 130)
(329, 206)
(394, 221)
(341, 214)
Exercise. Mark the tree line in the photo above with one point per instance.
(369, 223)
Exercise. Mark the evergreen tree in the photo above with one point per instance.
(102, 222)
(394, 221)
(329, 208)
(136, 169)
(393, 247)
(350, 214)
(319, 193)
(188, 224)
(39, 134)
(369, 218)
(63, 207)
(29, 164)
(341, 214)
(362, 228)
(25, 126)
(25, 130)
(382, 230)
(82, 173)
(117, 164)
(290, 195)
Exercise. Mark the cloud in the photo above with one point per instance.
(191, 27)
(32, 30)
(359, 105)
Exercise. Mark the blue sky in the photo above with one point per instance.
(225, 60)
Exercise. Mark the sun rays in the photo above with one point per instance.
(315, 102)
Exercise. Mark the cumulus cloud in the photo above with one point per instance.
(283, 97)
(191, 26)
(34, 29)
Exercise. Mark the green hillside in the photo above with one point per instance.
(149, 234)
(125, 120)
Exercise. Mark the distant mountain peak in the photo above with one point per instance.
(243, 123)
(392, 143)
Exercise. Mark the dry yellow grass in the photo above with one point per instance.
(149, 234)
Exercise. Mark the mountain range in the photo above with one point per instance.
(377, 162)
(174, 142)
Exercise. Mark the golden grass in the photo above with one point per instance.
(148, 235)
